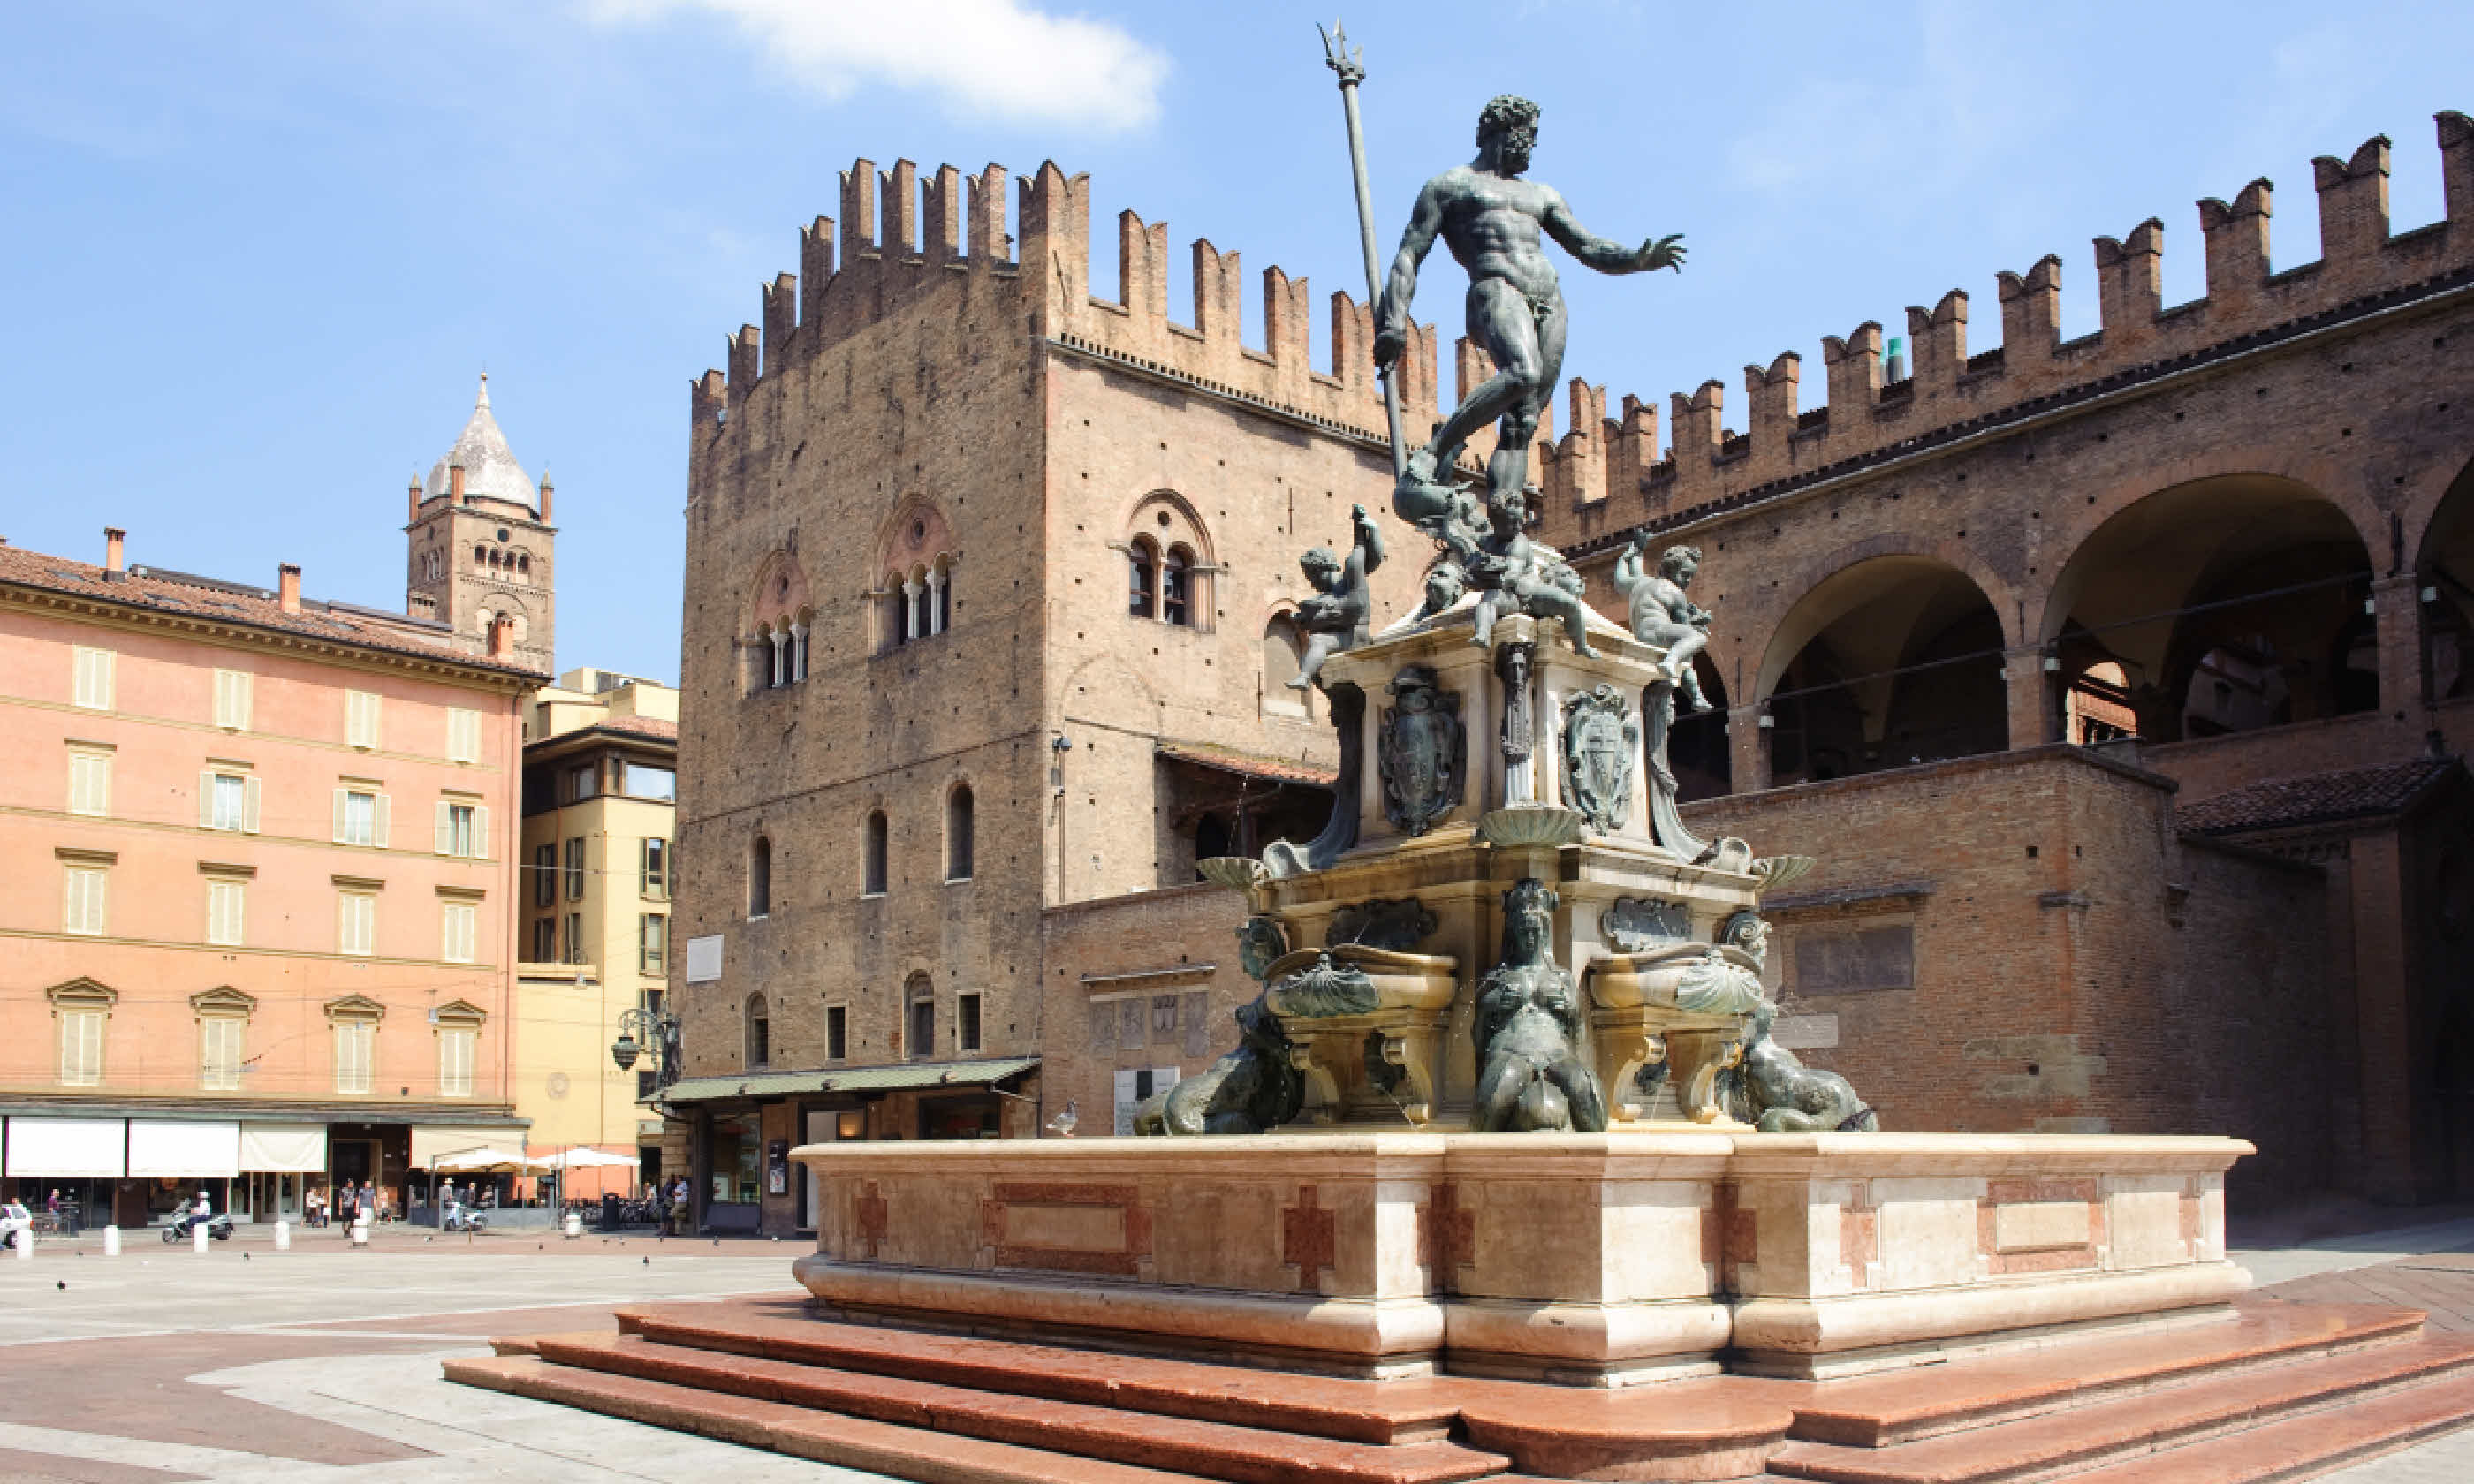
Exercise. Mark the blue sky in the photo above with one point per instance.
(254, 256)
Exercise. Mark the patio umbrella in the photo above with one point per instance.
(487, 1161)
(592, 1159)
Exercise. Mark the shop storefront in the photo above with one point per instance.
(740, 1129)
(140, 1171)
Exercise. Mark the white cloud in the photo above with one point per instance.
(993, 56)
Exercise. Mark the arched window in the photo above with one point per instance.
(800, 628)
(958, 833)
(940, 585)
(873, 855)
(760, 878)
(1283, 652)
(482, 554)
(778, 667)
(759, 1034)
(1175, 582)
(919, 995)
(1142, 578)
(523, 564)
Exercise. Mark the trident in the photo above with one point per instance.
(1351, 63)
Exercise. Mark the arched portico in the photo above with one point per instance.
(2225, 604)
(1894, 658)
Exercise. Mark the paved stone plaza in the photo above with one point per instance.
(323, 1362)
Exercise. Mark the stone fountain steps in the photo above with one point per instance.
(827, 1437)
(2176, 1428)
(1904, 1406)
(2285, 1391)
(1070, 1432)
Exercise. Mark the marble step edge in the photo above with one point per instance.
(2174, 1359)
(1345, 1410)
(1243, 1455)
(2309, 1446)
(2059, 1445)
(825, 1437)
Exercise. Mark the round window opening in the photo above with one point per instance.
(503, 533)
(918, 532)
(1163, 518)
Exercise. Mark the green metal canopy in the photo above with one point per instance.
(899, 1077)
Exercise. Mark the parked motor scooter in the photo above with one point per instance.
(462, 1218)
(219, 1227)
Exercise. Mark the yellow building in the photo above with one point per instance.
(594, 913)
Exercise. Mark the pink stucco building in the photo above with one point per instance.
(257, 868)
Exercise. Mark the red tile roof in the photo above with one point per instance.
(2318, 798)
(207, 599)
(1280, 769)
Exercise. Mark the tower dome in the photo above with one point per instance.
(490, 466)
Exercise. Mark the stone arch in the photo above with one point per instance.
(2443, 592)
(1184, 559)
(1284, 647)
(1764, 641)
(1893, 656)
(914, 532)
(961, 830)
(1184, 523)
(756, 1032)
(781, 590)
(2077, 515)
(2229, 602)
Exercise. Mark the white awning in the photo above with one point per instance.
(430, 1141)
(80, 1147)
(283, 1147)
(169, 1148)
(490, 1162)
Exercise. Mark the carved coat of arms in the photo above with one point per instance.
(1420, 749)
(1600, 740)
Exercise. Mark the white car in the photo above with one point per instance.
(14, 1219)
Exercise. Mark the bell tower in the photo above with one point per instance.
(478, 543)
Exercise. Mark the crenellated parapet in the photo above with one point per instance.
(902, 238)
(1604, 474)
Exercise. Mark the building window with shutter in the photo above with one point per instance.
(545, 939)
(219, 1052)
(361, 719)
(463, 734)
(966, 1024)
(652, 943)
(923, 1030)
(227, 909)
(232, 699)
(90, 780)
(460, 928)
(455, 1048)
(80, 1011)
(873, 856)
(575, 870)
(227, 800)
(92, 686)
(836, 1033)
(361, 817)
(355, 1042)
(81, 1048)
(462, 829)
(653, 871)
(356, 922)
(575, 938)
(83, 900)
(545, 876)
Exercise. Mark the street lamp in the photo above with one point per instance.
(661, 1028)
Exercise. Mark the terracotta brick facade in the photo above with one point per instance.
(2224, 530)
